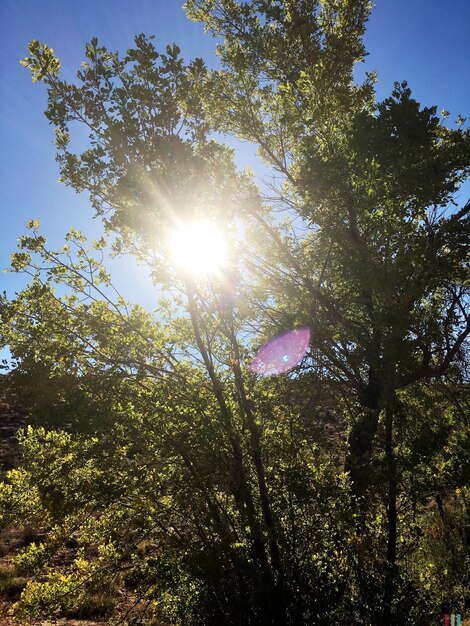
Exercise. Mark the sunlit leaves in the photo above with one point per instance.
(42, 63)
(149, 160)
(154, 441)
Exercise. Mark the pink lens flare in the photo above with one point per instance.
(282, 353)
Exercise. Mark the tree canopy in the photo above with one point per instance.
(336, 492)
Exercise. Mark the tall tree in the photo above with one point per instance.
(371, 255)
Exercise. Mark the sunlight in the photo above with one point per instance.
(199, 248)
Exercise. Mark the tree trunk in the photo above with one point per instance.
(362, 435)
(392, 517)
(246, 406)
(274, 613)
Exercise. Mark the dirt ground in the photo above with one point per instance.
(5, 620)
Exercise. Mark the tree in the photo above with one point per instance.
(370, 255)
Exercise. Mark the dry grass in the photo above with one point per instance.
(96, 606)
(3, 548)
(7, 570)
(11, 585)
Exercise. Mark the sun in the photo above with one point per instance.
(199, 248)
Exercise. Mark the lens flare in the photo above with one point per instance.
(282, 353)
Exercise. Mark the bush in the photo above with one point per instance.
(11, 585)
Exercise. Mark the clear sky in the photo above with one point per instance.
(425, 42)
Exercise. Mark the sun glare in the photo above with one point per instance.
(199, 248)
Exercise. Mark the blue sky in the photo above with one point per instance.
(422, 41)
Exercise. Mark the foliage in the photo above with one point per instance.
(330, 494)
